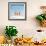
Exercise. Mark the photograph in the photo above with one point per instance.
(17, 10)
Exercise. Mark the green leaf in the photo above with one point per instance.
(45, 17)
(11, 31)
(40, 18)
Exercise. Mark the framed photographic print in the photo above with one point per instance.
(16, 10)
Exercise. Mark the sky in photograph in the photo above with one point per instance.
(16, 7)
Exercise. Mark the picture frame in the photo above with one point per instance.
(16, 10)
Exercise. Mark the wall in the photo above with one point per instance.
(24, 27)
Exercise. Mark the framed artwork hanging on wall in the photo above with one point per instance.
(16, 10)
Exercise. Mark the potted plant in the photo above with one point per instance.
(10, 31)
(42, 19)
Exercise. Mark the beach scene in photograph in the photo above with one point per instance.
(16, 10)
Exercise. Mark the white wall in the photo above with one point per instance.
(24, 27)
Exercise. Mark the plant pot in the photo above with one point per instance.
(43, 23)
(13, 38)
